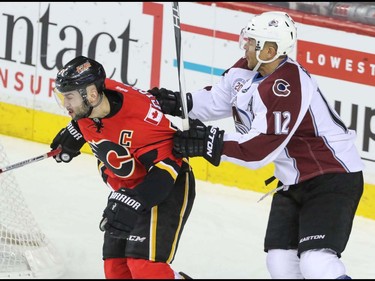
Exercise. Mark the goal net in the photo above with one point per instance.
(25, 251)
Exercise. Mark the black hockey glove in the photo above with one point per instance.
(170, 101)
(199, 140)
(71, 141)
(121, 213)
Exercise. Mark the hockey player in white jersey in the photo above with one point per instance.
(281, 116)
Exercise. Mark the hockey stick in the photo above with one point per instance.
(180, 66)
(31, 160)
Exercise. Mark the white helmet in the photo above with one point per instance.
(273, 26)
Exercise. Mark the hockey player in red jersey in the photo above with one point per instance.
(281, 116)
(152, 191)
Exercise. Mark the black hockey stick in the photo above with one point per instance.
(31, 160)
(180, 66)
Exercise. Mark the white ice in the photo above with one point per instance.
(223, 237)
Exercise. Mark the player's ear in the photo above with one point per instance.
(92, 94)
(271, 49)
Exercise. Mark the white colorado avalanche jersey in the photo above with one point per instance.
(281, 118)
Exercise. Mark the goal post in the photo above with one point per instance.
(25, 251)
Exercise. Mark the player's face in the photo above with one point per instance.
(250, 52)
(73, 103)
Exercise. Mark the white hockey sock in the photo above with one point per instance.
(321, 264)
(283, 264)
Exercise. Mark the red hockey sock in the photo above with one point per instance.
(116, 268)
(145, 269)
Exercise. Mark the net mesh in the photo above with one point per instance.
(25, 250)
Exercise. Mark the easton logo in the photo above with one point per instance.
(210, 141)
(312, 237)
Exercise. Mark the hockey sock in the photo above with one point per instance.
(146, 269)
(283, 264)
(116, 268)
(321, 264)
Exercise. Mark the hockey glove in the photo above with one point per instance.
(170, 102)
(199, 140)
(71, 140)
(121, 213)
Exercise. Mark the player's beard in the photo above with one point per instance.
(81, 112)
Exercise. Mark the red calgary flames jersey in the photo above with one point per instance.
(120, 140)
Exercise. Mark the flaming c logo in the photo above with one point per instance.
(280, 88)
(115, 157)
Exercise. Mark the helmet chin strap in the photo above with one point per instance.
(99, 101)
(83, 93)
(260, 61)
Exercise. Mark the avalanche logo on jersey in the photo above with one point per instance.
(242, 121)
(280, 88)
(114, 156)
(153, 116)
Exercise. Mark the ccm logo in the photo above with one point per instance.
(136, 238)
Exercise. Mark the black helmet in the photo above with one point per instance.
(78, 74)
